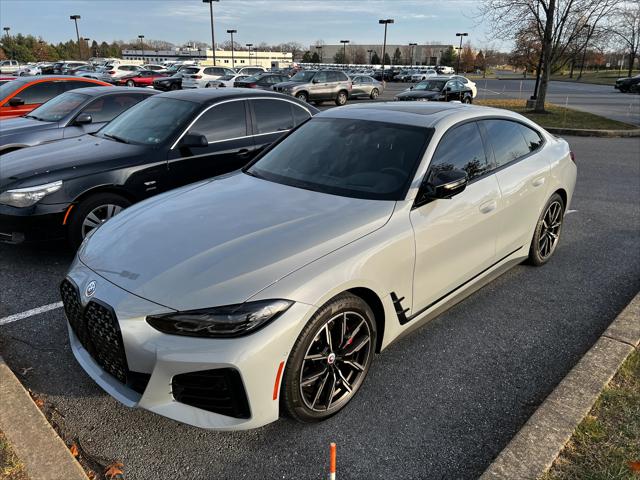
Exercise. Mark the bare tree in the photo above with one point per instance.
(627, 28)
(556, 23)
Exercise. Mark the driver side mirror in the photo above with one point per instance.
(447, 89)
(83, 119)
(443, 184)
(314, 81)
(194, 140)
(16, 102)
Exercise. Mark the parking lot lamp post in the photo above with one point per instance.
(344, 50)
(75, 18)
(141, 37)
(213, 38)
(319, 48)
(412, 45)
(233, 61)
(460, 49)
(369, 52)
(384, 22)
(249, 45)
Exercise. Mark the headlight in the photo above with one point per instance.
(220, 322)
(25, 197)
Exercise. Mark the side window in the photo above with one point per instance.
(72, 85)
(300, 115)
(272, 116)
(222, 122)
(40, 92)
(357, 81)
(321, 77)
(208, 71)
(506, 140)
(105, 109)
(531, 137)
(461, 148)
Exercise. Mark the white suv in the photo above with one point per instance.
(423, 75)
(9, 66)
(117, 71)
(199, 77)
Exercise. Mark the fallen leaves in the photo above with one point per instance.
(635, 466)
(114, 471)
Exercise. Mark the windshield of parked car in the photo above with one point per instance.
(58, 107)
(303, 77)
(430, 85)
(351, 158)
(9, 88)
(150, 122)
(227, 77)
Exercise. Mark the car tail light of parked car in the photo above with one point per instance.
(573, 156)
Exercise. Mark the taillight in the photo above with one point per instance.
(196, 76)
(252, 85)
(573, 156)
(111, 72)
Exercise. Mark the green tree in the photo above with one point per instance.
(387, 60)
(306, 58)
(315, 58)
(448, 57)
(397, 57)
(340, 57)
(375, 59)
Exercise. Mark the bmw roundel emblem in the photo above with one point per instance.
(91, 288)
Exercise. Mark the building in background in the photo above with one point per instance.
(358, 53)
(243, 58)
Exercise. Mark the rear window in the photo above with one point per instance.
(190, 70)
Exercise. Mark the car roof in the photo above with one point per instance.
(213, 95)
(98, 91)
(40, 78)
(419, 114)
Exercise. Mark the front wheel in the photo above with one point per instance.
(131, 83)
(93, 212)
(547, 233)
(330, 359)
(341, 99)
(466, 100)
(302, 96)
(174, 86)
(374, 94)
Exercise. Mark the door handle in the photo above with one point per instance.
(243, 152)
(538, 181)
(489, 206)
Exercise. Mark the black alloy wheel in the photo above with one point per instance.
(547, 232)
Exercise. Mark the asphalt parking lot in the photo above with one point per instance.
(440, 403)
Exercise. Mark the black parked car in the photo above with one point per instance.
(166, 84)
(441, 89)
(389, 75)
(69, 187)
(628, 84)
(262, 81)
(71, 114)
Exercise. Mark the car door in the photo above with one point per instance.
(455, 239)
(522, 172)
(358, 87)
(319, 87)
(272, 118)
(230, 145)
(32, 97)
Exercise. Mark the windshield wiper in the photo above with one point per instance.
(116, 138)
(34, 117)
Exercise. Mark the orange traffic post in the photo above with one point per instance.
(332, 461)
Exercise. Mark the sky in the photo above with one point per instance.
(271, 21)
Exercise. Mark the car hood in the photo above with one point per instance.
(289, 84)
(14, 126)
(221, 241)
(418, 94)
(63, 159)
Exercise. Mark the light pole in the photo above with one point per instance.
(233, 61)
(412, 45)
(141, 37)
(75, 18)
(213, 39)
(370, 52)
(460, 49)
(249, 45)
(344, 50)
(85, 39)
(319, 47)
(384, 22)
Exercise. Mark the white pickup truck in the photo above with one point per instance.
(9, 66)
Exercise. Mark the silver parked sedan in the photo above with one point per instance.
(225, 301)
(365, 86)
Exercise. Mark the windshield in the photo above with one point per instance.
(150, 122)
(8, 88)
(356, 158)
(430, 85)
(226, 77)
(303, 77)
(58, 107)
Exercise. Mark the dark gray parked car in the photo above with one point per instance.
(318, 86)
(68, 115)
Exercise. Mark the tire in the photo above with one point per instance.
(374, 94)
(208, 85)
(302, 96)
(131, 83)
(466, 99)
(174, 86)
(102, 205)
(545, 240)
(341, 98)
(319, 399)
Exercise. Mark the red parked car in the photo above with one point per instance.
(4, 79)
(141, 78)
(18, 97)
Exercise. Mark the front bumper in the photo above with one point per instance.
(159, 358)
(37, 223)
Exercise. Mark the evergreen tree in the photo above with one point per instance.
(315, 58)
(306, 58)
(397, 57)
(375, 59)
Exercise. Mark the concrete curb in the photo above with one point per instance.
(584, 132)
(35, 442)
(530, 454)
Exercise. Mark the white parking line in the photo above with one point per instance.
(30, 313)
(570, 211)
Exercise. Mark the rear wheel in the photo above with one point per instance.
(466, 99)
(374, 94)
(341, 99)
(302, 96)
(547, 233)
(174, 86)
(93, 212)
(131, 83)
(330, 359)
